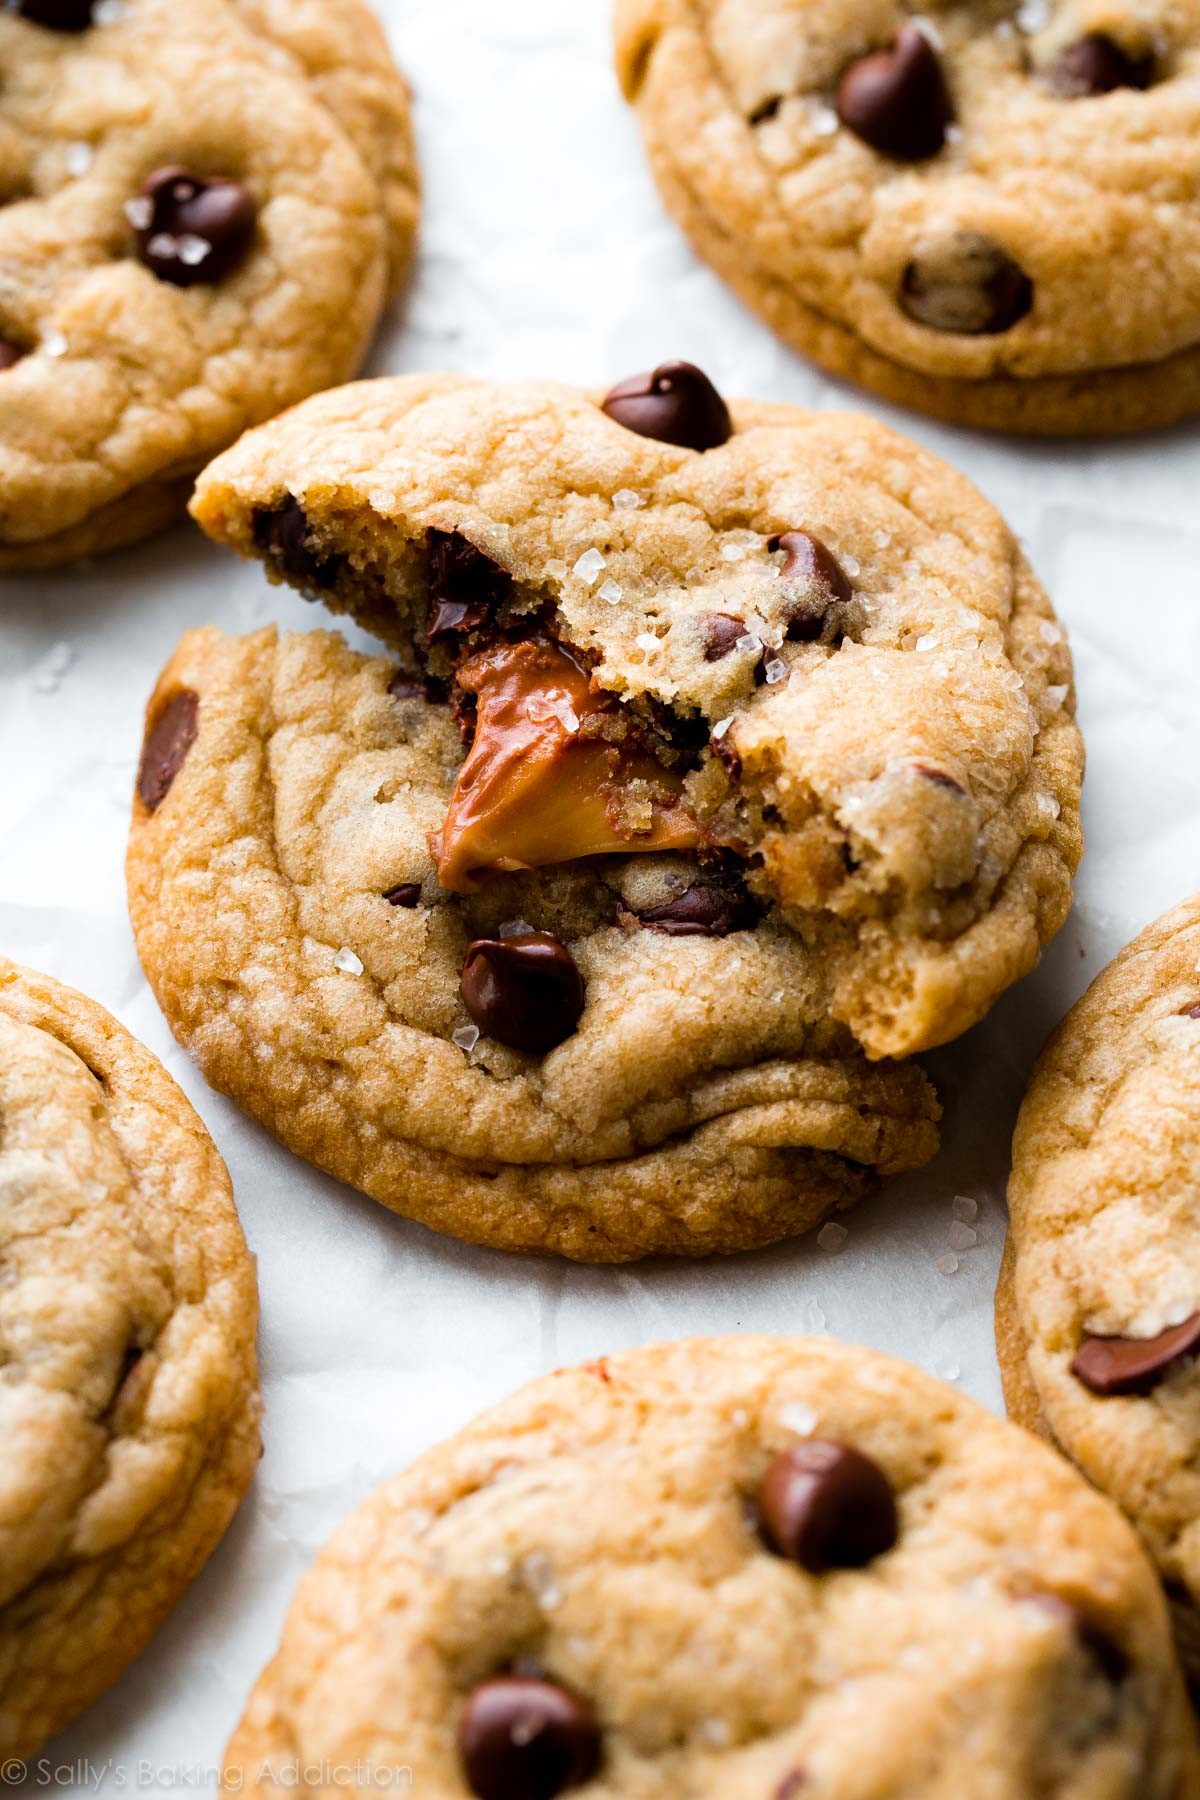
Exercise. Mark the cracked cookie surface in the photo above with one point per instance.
(583, 1586)
(986, 212)
(133, 346)
(129, 1393)
(832, 643)
(1097, 1312)
(287, 912)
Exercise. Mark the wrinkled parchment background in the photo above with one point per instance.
(546, 252)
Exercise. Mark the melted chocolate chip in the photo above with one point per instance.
(465, 585)
(525, 991)
(1110, 1658)
(523, 1739)
(168, 741)
(702, 911)
(408, 894)
(1096, 64)
(57, 15)
(816, 582)
(896, 100)
(676, 404)
(198, 230)
(827, 1506)
(9, 354)
(968, 286)
(1121, 1365)
(282, 534)
(721, 634)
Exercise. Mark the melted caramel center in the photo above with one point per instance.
(537, 787)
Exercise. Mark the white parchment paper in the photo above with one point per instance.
(546, 252)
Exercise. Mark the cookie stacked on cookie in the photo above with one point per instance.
(987, 212)
(729, 756)
(205, 208)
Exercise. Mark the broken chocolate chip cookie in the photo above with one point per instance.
(1098, 1311)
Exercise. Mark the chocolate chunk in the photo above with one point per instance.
(168, 741)
(967, 285)
(1110, 1658)
(1121, 1365)
(896, 100)
(522, 1739)
(702, 911)
(56, 15)
(196, 230)
(282, 534)
(721, 634)
(676, 404)
(9, 354)
(827, 1506)
(408, 894)
(465, 585)
(524, 991)
(816, 581)
(1096, 64)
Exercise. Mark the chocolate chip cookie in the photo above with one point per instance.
(985, 212)
(1098, 1312)
(129, 1393)
(735, 1567)
(206, 204)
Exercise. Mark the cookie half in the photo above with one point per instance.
(987, 214)
(735, 1567)
(791, 640)
(129, 1400)
(207, 204)
(603, 1058)
(1098, 1312)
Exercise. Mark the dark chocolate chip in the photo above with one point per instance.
(1110, 1658)
(701, 911)
(896, 100)
(524, 991)
(817, 580)
(282, 534)
(969, 286)
(1192, 1012)
(522, 1739)
(1096, 64)
(57, 15)
(939, 777)
(1121, 1365)
(676, 404)
(827, 1506)
(197, 230)
(9, 354)
(727, 756)
(408, 894)
(168, 741)
(722, 632)
(465, 586)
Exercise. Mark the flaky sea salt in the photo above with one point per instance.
(1048, 807)
(947, 1263)
(823, 119)
(961, 1237)
(831, 1237)
(626, 500)
(465, 1038)
(965, 1208)
(747, 641)
(798, 1418)
(612, 592)
(852, 566)
(775, 672)
(646, 640)
(346, 963)
(537, 1574)
(1056, 698)
(108, 12)
(721, 727)
(882, 539)
(54, 343)
(590, 566)
(733, 552)
(139, 211)
(78, 159)
(191, 249)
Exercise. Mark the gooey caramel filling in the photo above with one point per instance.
(538, 786)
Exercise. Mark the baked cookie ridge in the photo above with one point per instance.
(128, 1313)
(826, 649)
